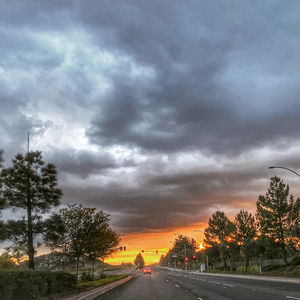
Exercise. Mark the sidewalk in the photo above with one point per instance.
(92, 294)
(254, 277)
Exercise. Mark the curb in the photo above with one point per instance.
(254, 277)
(92, 294)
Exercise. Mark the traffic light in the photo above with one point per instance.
(194, 256)
(156, 251)
(186, 259)
(124, 248)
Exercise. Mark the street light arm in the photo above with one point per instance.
(285, 169)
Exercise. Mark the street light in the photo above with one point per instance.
(285, 169)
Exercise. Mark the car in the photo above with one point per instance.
(147, 270)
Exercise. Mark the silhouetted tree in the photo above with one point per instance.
(245, 232)
(30, 185)
(219, 233)
(183, 246)
(78, 231)
(277, 214)
(139, 261)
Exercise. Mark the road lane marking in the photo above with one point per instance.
(177, 285)
(200, 298)
(290, 297)
(228, 284)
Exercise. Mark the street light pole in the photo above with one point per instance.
(285, 169)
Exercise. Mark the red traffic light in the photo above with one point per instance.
(194, 256)
(186, 259)
(156, 251)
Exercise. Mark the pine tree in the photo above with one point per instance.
(139, 261)
(219, 234)
(276, 213)
(30, 185)
(245, 232)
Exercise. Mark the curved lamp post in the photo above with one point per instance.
(285, 169)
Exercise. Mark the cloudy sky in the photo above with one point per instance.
(158, 112)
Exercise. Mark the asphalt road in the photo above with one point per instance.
(166, 284)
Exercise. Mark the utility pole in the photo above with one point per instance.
(185, 256)
(28, 143)
(30, 248)
(207, 262)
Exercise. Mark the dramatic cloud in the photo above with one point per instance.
(157, 112)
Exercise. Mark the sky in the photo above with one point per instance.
(157, 112)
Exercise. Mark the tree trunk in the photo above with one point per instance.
(247, 263)
(77, 262)
(261, 264)
(93, 265)
(230, 264)
(284, 254)
(30, 248)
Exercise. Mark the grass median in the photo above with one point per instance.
(88, 285)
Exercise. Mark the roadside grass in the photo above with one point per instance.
(97, 270)
(281, 271)
(88, 285)
(284, 271)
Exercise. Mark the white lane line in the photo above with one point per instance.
(290, 297)
(177, 285)
(200, 298)
(228, 284)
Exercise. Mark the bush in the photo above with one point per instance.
(25, 285)
(250, 269)
(87, 277)
(295, 261)
(270, 268)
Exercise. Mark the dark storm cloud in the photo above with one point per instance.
(81, 163)
(191, 48)
(164, 202)
(216, 77)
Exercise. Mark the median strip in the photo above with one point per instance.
(92, 294)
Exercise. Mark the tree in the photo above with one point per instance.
(30, 185)
(2, 201)
(139, 261)
(219, 233)
(183, 247)
(16, 253)
(103, 241)
(78, 231)
(245, 232)
(5, 262)
(277, 214)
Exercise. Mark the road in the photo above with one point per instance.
(165, 284)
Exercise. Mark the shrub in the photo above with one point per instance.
(295, 261)
(251, 269)
(271, 268)
(87, 277)
(25, 285)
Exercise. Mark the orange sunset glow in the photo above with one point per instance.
(152, 242)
